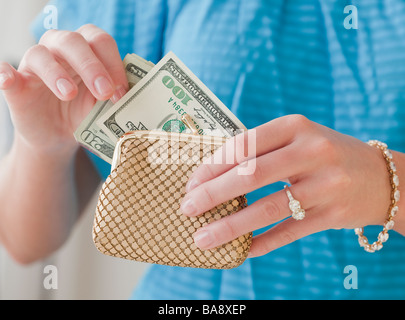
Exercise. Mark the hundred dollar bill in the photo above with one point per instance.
(89, 134)
(169, 91)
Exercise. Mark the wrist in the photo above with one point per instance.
(57, 159)
(393, 209)
(400, 216)
(58, 153)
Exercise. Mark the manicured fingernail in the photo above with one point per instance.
(65, 87)
(103, 86)
(203, 239)
(188, 208)
(119, 93)
(192, 184)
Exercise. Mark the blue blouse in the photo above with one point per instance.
(265, 59)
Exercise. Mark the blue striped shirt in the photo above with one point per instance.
(265, 59)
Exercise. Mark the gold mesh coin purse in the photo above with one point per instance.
(138, 212)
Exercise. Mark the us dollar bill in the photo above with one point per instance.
(89, 134)
(169, 91)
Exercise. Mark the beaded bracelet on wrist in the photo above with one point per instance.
(393, 208)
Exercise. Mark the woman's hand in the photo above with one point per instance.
(340, 181)
(56, 85)
(58, 82)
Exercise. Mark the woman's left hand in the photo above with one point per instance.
(341, 182)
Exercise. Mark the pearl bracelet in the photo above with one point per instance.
(393, 208)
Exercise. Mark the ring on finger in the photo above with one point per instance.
(295, 206)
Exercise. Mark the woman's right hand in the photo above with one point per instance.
(57, 83)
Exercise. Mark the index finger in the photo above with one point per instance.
(106, 49)
(251, 144)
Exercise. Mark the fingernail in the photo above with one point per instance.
(103, 86)
(203, 239)
(65, 87)
(188, 208)
(119, 93)
(192, 184)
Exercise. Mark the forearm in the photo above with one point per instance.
(40, 203)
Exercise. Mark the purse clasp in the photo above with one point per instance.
(188, 121)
